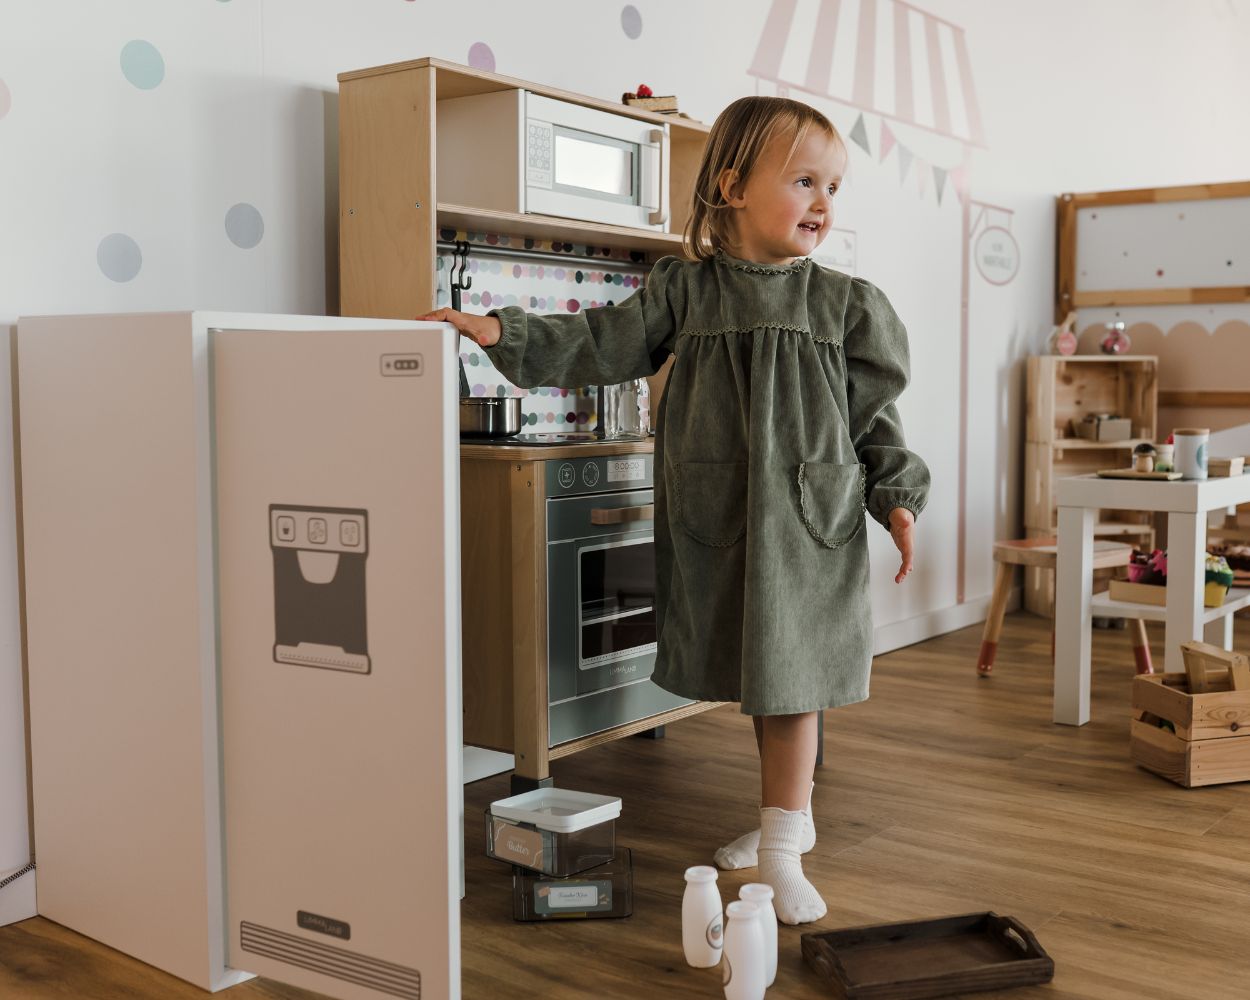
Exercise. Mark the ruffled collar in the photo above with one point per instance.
(750, 265)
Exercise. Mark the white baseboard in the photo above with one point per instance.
(479, 763)
(17, 899)
(896, 635)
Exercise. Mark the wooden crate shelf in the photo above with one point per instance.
(1061, 391)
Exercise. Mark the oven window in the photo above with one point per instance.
(617, 584)
(594, 164)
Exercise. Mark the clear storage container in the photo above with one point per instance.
(553, 830)
(603, 891)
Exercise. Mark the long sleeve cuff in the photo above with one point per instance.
(884, 499)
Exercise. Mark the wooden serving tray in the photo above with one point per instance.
(928, 958)
(1133, 474)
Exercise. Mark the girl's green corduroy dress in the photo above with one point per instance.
(776, 432)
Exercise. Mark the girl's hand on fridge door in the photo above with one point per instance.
(484, 331)
(903, 531)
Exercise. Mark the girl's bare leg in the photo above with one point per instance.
(787, 760)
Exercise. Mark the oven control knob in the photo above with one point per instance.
(590, 473)
(568, 476)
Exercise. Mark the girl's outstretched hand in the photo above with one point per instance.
(903, 531)
(482, 330)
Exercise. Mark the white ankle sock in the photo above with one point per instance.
(795, 899)
(741, 852)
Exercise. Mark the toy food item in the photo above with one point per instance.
(1144, 457)
(1141, 569)
(1115, 340)
(1219, 577)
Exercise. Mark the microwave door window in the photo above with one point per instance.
(602, 167)
(617, 599)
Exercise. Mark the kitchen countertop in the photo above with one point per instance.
(539, 453)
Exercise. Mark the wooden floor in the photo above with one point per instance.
(943, 794)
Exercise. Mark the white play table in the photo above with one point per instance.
(1186, 503)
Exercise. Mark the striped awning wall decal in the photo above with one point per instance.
(887, 57)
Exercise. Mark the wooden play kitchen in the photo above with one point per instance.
(399, 126)
(1194, 728)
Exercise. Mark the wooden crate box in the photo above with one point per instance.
(1208, 710)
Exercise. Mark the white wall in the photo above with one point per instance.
(1073, 95)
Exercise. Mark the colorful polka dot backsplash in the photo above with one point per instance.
(591, 277)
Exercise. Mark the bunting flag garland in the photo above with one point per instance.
(904, 161)
(860, 134)
(887, 140)
(959, 178)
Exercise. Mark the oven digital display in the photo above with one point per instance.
(626, 470)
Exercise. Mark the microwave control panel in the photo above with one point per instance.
(539, 146)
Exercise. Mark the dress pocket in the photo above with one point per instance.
(831, 500)
(712, 501)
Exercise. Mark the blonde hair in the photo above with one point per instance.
(738, 138)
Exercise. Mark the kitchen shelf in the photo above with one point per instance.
(1103, 528)
(548, 227)
(1072, 444)
(1104, 607)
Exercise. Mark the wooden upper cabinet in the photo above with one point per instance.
(389, 209)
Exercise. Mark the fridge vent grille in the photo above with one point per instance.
(385, 977)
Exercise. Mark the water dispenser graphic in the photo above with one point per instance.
(319, 586)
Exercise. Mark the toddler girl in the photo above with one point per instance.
(776, 432)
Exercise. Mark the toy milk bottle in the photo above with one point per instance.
(762, 896)
(744, 975)
(701, 920)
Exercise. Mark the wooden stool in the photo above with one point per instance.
(1044, 552)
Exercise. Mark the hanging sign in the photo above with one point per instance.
(997, 255)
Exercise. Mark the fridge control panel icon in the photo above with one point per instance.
(319, 558)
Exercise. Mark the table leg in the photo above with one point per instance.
(1074, 582)
(1186, 574)
(1228, 631)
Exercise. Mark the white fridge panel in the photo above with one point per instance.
(337, 490)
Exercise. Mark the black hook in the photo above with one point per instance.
(459, 282)
(460, 256)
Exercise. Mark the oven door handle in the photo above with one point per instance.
(622, 515)
(660, 216)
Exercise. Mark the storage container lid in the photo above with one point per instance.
(558, 809)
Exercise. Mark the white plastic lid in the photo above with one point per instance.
(741, 908)
(559, 810)
(753, 891)
(702, 873)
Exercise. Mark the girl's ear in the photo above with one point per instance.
(731, 189)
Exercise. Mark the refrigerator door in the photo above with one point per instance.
(337, 490)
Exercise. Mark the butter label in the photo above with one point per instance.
(513, 843)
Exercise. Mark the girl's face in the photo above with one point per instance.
(785, 210)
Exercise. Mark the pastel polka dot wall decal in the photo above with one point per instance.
(244, 225)
(142, 64)
(481, 57)
(119, 257)
(631, 21)
(6, 99)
